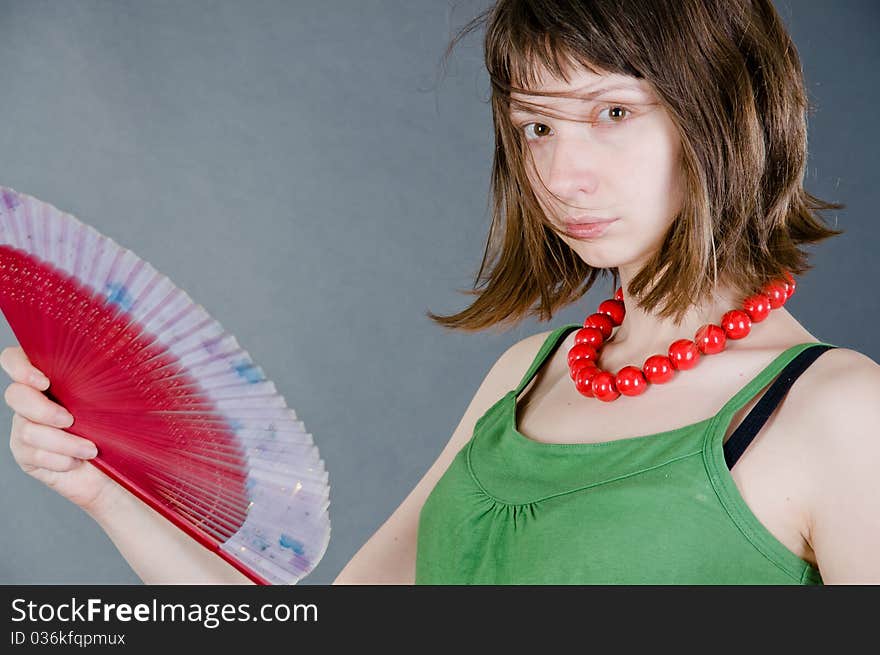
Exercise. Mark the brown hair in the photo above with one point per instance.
(730, 78)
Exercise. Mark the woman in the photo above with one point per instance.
(693, 158)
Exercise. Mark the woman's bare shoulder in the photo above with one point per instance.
(842, 380)
(519, 356)
(840, 396)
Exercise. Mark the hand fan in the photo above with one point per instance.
(181, 415)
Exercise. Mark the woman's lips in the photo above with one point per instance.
(587, 230)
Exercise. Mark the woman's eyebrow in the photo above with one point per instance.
(515, 103)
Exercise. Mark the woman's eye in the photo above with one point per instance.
(540, 130)
(617, 114)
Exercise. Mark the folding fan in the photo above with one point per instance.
(181, 415)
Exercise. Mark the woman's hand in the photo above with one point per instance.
(41, 447)
(158, 551)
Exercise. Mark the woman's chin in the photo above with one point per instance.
(597, 255)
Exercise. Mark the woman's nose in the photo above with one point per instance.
(573, 168)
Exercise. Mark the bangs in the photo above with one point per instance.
(522, 43)
(522, 61)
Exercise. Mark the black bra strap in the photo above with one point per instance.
(742, 437)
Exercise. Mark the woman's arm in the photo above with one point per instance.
(157, 550)
(389, 556)
(844, 433)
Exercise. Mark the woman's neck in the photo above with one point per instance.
(642, 334)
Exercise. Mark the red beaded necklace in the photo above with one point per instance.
(683, 354)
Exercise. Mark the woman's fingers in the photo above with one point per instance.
(32, 458)
(17, 366)
(45, 437)
(43, 459)
(61, 455)
(35, 406)
(36, 440)
(25, 395)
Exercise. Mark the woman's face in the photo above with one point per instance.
(622, 164)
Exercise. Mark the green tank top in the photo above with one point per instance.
(654, 509)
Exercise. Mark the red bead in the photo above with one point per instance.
(792, 285)
(601, 321)
(684, 354)
(589, 335)
(757, 307)
(777, 293)
(578, 365)
(736, 324)
(658, 369)
(603, 386)
(583, 379)
(710, 339)
(581, 351)
(615, 310)
(618, 295)
(630, 381)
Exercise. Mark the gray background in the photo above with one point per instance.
(306, 172)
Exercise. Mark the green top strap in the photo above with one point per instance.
(550, 343)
